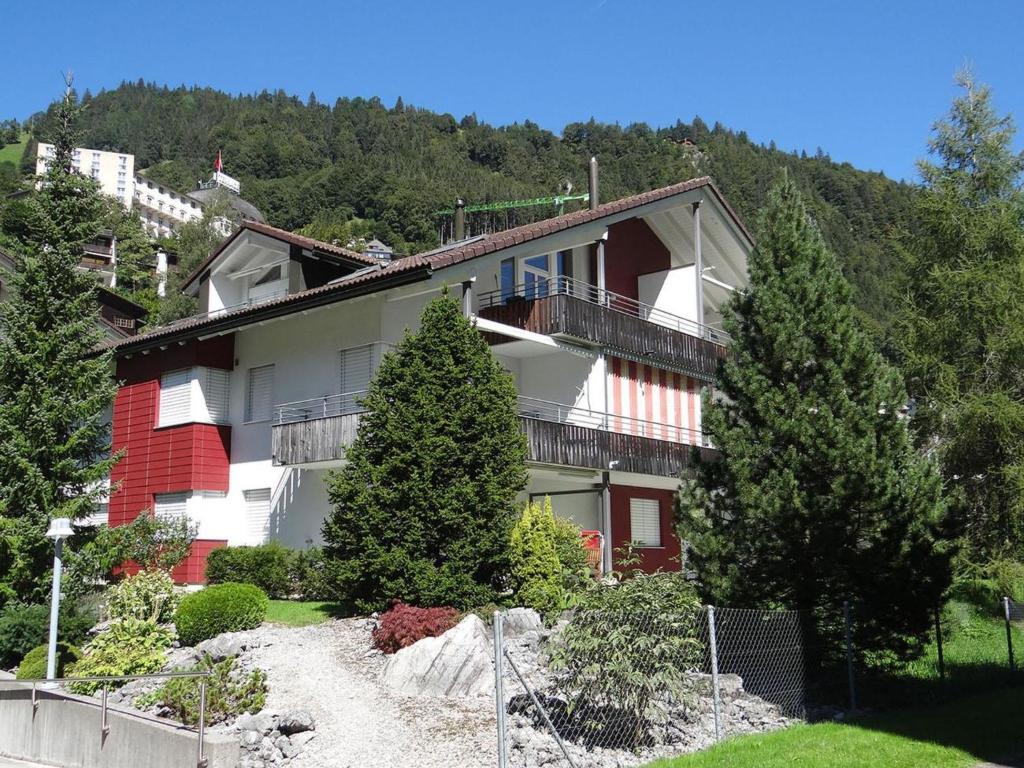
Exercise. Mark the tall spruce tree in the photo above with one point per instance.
(423, 509)
(962, 331)
(54, 392)
(819, 496)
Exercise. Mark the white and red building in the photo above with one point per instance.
(607, 318)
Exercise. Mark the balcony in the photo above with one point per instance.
(318, 430)
(562, 306)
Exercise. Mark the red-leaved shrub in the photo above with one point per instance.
(402, 625)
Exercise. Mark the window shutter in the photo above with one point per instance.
(356, 370)
(257, 514)
(259, 399)
(216, 386)
(171, 506)
(645, 522)
(176, 397)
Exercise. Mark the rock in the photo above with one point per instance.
(250, 762)
(457, 663)
(227, 645)
(298, 721)
(519, 621)
(267, 749)
(263, 722)
(284, 744)
(251, 740)
(300, 740)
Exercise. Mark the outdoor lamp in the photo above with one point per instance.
(60, 529)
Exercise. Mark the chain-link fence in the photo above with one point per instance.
(620, 688)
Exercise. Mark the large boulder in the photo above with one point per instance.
(519, 621)
(228, 644)
(457, 663)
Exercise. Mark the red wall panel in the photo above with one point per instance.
(632, 250)
(665, 557)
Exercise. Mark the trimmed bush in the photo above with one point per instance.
(229, 607)
(267, 566)
(148, 595)
(402, 625)
(572, 555)
(23, 627)
(128, 647)
(535, 569)
(33, 666)
(309, 575)
(229, 693)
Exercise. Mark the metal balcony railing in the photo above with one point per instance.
(529, 407)
(319, 407)
(561, 413)
(567, 286)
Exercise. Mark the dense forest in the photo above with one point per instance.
(387, 170)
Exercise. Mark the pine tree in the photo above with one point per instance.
(962, 331)
(423, 509)
(54, 436)
(819, 496)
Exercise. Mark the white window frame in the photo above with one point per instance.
(257, 513)
(178, 501)
(208, 397)
(639, 522)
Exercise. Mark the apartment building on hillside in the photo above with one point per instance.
(607, 318)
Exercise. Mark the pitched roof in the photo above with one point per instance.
(399, 270)
(404, 269)
(482, 245)
(343, 254)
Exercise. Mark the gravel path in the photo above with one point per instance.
(327, 669)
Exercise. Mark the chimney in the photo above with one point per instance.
(592, 186)
(460, 219)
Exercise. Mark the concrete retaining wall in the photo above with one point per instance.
(65, 731)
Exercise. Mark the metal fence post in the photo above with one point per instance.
(1009, 635)
(713, 648)
(849, 655)
(499, 688)
(938, 648)
(201, 757)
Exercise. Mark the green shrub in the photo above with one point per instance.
(128, 647)
(626, 647)
(33, 666)
(228, 693)
(982, 593)
(220, 608)
(1008, 576)
(309, 575)
(534, 566)
(148, 595)
(572, 555)
(23, 627)
(267, 566)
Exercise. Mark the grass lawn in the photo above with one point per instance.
(297, 613)
(12, 152)
(960, 734)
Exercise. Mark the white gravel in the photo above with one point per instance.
(328, 670)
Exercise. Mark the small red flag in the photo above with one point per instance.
(219, 165)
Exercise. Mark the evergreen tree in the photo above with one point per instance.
(424, 507)
(54, 436)
(818, 496)
(962, 331)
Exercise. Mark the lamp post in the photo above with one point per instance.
(60, 529)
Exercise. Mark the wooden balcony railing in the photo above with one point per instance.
(569, 308)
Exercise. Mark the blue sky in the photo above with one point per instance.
(864, 80)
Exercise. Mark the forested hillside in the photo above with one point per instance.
(319, 166)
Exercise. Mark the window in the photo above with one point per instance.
(194, 394)
(645, 522)
(175, 397)
(536, 271)
(257, 514)
(356, 371)
(508, 279)
(171, 506)
(259, 396)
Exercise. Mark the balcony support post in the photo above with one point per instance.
(698, 265)
(602, 286)
(606, 522)
(467, 297)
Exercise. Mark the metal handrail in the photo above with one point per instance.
(562, 413)
(339, 404)
(201, 760)
(568, 286)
